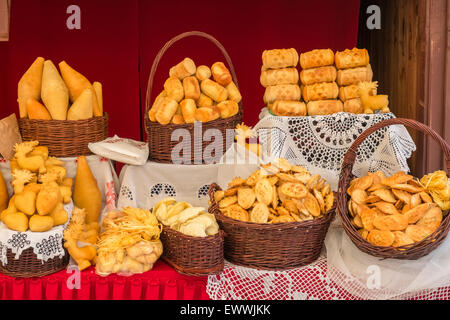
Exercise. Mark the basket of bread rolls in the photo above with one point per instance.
(395, 216)
(34, 218)
(200, 96)
(274, 219)
(328, 83)
(61, 109)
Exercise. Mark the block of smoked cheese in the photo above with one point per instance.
(319, 74)
(320, 91)
(324, 107)
(279, 76)
(317, 58)
(351, 58)
(347, 77)
(282, 92)
(279, 58)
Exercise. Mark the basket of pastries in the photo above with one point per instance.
(61, 109)
(329, 82)
(207, 97)
(192, 240)
(34, 217)
(276, 218)
(397, 216)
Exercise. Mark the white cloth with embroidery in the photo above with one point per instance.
(319, 143)
(107, 181)
(46, 245)
(144, 186)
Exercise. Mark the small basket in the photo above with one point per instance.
(408, 252)
(193, 256)
(65, 138)
(159, 136)
(28, 265)
(278, 246)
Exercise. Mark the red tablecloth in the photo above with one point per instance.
(162, 282)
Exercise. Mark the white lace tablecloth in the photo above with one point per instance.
(144, 186)
(47, 245)
(319, 143)
(311, 282)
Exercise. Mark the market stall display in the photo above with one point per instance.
(190, 98)
(395, 215)
(62, 110)
(286, 225)
(192, 241)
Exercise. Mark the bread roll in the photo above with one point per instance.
(279, 76)
(282, 92)
(347, 77)
(233, 92)
(353, 106)
(324, 107)
(178, 119)
(156, 104)
(228, 108)
(214, 90)
(183, 69)
(320, 91)
(166, 110)
(316, 58)
(351, 58)
(279, 58)
(221, 74)
(191, 88)
(203, 72)
(188, 109)
(316, 75)
(205, 114)
(351, 92)
(204, 101)
(174, 89)
(289, 108)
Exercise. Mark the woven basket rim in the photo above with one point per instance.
(71, 122)
(208, 238)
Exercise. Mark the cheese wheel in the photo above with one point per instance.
(288, 108)
(191, 88)
(347, 77)
(279, 76)
(282, 92)
(279, 58)
(320, 91)
(183, 69)
(319, 74)
(214, 90)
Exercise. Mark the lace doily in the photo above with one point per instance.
(144, 186)
(310, 282)
(319, 143)
(46, 245)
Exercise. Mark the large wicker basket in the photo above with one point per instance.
(409, 252)
(65, 138)
(194, 256)
(279, 246)
(159, 136)
(28, 265)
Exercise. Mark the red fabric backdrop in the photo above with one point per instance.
(119, 40)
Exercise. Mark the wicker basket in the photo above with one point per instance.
(65, 138)
(194, 256)
(271, 246)
(28, 265)
(408, 252)
(159, 136)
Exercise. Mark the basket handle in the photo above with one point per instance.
(169, 44)
(350, 155)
